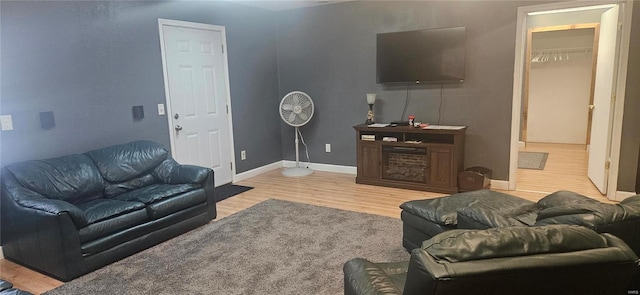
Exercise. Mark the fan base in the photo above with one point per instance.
(297, 172)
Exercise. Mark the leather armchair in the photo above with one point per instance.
(554, 259)
(422, 219)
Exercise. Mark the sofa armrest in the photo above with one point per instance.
(26, 198)
(365, 277)
(171, 172)
(189, 174)
(40, 233)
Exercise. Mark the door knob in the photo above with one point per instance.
(178, 127)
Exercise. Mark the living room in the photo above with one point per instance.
(90, 62)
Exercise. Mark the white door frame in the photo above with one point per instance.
(168, 111)
(618, 108)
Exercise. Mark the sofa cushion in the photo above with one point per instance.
(122, 162)
(101, 209)
(466, 245)
(106, 216)
(155, 192)
(174, 204)
(71, 178)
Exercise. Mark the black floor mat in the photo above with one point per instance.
(228, 190)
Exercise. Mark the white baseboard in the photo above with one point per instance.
(620, 195)
(500, 184)
(287, 164)
(257, 171)
(323, 167)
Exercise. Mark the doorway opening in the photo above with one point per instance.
(197, 91)
(574, 16)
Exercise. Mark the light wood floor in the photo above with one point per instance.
(340, 191)
(566, 168)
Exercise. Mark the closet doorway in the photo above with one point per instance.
(556, 116)
(614, 18)
(558, 84)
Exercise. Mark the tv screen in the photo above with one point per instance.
(433, 55)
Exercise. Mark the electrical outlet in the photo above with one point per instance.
(161, 109)
(6, 122)
(327, 148)
(243, 155)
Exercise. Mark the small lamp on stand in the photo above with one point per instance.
(371, 99)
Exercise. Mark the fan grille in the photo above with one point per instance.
(296, 108)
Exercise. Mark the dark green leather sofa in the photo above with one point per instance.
(70, 215)
(552, 259)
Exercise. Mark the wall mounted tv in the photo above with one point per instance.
(432, 55)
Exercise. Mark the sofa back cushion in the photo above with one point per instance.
(120, 163)
(71, 178)
(466, 245)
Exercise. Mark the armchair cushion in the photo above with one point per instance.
(566, 207)
(466, 245)
(561, 198)
(482, 216)
(443, 210)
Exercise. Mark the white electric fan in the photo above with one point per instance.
(296, 109)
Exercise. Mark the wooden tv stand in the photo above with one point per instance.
(421, 159)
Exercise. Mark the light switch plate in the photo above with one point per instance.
(6, 122)
(161, 109)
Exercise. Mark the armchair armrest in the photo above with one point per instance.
(364, 277)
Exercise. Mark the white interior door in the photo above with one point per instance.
(600, 147)
(197, 96)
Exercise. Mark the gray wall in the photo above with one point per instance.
(90, 61)
(630, 144)
(329, 52)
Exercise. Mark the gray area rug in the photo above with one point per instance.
(532, 160)
(274, 247)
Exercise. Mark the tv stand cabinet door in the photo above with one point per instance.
(369, 160)
(440, 167)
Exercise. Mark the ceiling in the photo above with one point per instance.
(285, 5)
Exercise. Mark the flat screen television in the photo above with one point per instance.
(432, 55)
